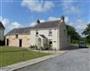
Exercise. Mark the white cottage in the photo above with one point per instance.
(42, 35)
(53, 32)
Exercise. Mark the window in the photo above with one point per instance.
(50, 33)
(16, 35)
(36, 33)
(7, 42)
(50, 42)
(54, 41)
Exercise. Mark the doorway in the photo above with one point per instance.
(20, 42)
(7, 42)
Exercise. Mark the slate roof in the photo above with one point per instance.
(43, 36)
(19, 31)
(49, 24)
(1, 25)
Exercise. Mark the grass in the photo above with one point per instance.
(11, 55)
(88, 45)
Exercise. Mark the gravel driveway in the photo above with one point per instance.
(73, 60)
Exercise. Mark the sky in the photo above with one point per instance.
(24, 13)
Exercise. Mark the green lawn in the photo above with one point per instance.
(11, 55)
(88, 45)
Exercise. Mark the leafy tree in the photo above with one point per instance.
(74, 36)
(86, 32)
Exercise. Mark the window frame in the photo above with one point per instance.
(16, 35)
(50, 32)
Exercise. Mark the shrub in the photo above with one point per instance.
(33, 47)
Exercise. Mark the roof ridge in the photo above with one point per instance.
(25, 30)
(50, 21)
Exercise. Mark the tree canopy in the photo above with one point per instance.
(74, 36)
(86, 32)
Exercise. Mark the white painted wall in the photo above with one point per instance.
(59, 36)
(63, 42)
(45, 32)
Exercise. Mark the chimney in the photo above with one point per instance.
(62, 18)
(38, 21)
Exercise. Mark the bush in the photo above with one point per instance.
(75, 41)
(88, 39)
(46, 47)
(33, 47)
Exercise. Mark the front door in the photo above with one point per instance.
(7, 42)
(20, 42)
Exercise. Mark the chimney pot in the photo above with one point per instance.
(62, 19)
(38, 21)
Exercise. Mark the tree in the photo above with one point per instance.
(86, 32)
(74, 36)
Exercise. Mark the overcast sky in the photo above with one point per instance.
(20, 13)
